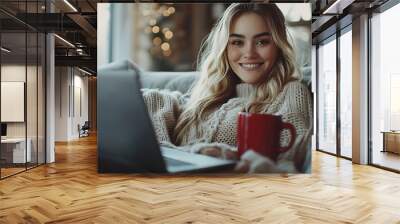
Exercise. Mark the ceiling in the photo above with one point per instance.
(77, 25)
(76, 22)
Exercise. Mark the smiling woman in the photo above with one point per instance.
(251, 53)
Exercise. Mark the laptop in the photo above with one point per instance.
(126, 139)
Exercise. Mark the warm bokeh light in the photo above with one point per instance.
(171, 10)
(165, 46)
(155, 29)
(165, 13)
(168, 34)
(157, 41)
(167, 53)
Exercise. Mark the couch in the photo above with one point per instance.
(182, 81)
(179, 81)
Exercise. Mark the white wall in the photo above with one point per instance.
(103, 33)
(33, 126)
(14, 73)
(17, 73)
(79, 117)
(70, 83)
(62, 81)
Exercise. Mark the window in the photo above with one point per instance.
(385, 89)
(346, 94)
(327, 96)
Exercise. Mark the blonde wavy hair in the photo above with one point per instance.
(218, 82)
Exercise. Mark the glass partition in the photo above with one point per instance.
(13, 109)
(31, 100)
(22, 77)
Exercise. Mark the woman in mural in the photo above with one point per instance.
(247, 65)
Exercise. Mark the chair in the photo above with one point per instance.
(84, 130)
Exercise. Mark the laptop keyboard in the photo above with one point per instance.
(174, 162)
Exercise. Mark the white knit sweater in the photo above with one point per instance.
(293, 103)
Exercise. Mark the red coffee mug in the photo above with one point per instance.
(261, 133)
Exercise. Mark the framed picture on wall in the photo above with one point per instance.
(12, 101)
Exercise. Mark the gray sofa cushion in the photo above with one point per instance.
(176, 81)
(182, 81)
(179, 81)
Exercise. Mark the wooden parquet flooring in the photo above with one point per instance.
(71, 191)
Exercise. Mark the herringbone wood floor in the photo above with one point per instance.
(71, 191)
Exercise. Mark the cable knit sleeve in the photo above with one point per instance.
(296, 109)
(164, 108)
